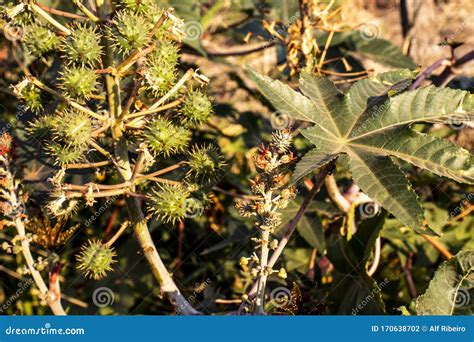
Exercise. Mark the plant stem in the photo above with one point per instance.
(189, 74)
(439, 247)
(74, 104)
(292, 225)
(140, 228)
(262, 279)
(61, 13)
(50, 19)
(159, 270)
(54, 302)
(263, 274)
(335, 195)
(86, 11)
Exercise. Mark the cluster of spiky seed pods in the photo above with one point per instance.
(113, 80)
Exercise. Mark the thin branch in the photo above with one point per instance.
(292, 225)
(165, 170)
(187, 76)
(427, 72)
(50, 19)
(74, 104)
(375, 263)
(155, 110)
(54, 303)
(447, 74)
(119, 232)
(86, 11)
(87, 165)
(61, 13)
(240, 50)
(335, 195)
(439, 247)
(409, 277)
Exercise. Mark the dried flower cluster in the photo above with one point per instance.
(273, 163)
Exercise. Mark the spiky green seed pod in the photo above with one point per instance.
(206, 164)
(197, 107)
(41, 127)
(169, 203)
(138, 6)
(65, 154)
(32, 97)
(79, 82)
(130, 32)
(165, 138)
(18, 14)
(73, 128)
(82, 47)
(40, 40)
(160, 72)
(96, 259)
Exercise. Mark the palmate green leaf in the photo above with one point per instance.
(371, 124)
(379, 50)
(451, 291)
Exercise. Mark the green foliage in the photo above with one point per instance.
(372, 127)
(32, 98)
(127, 152)
(451, 290)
